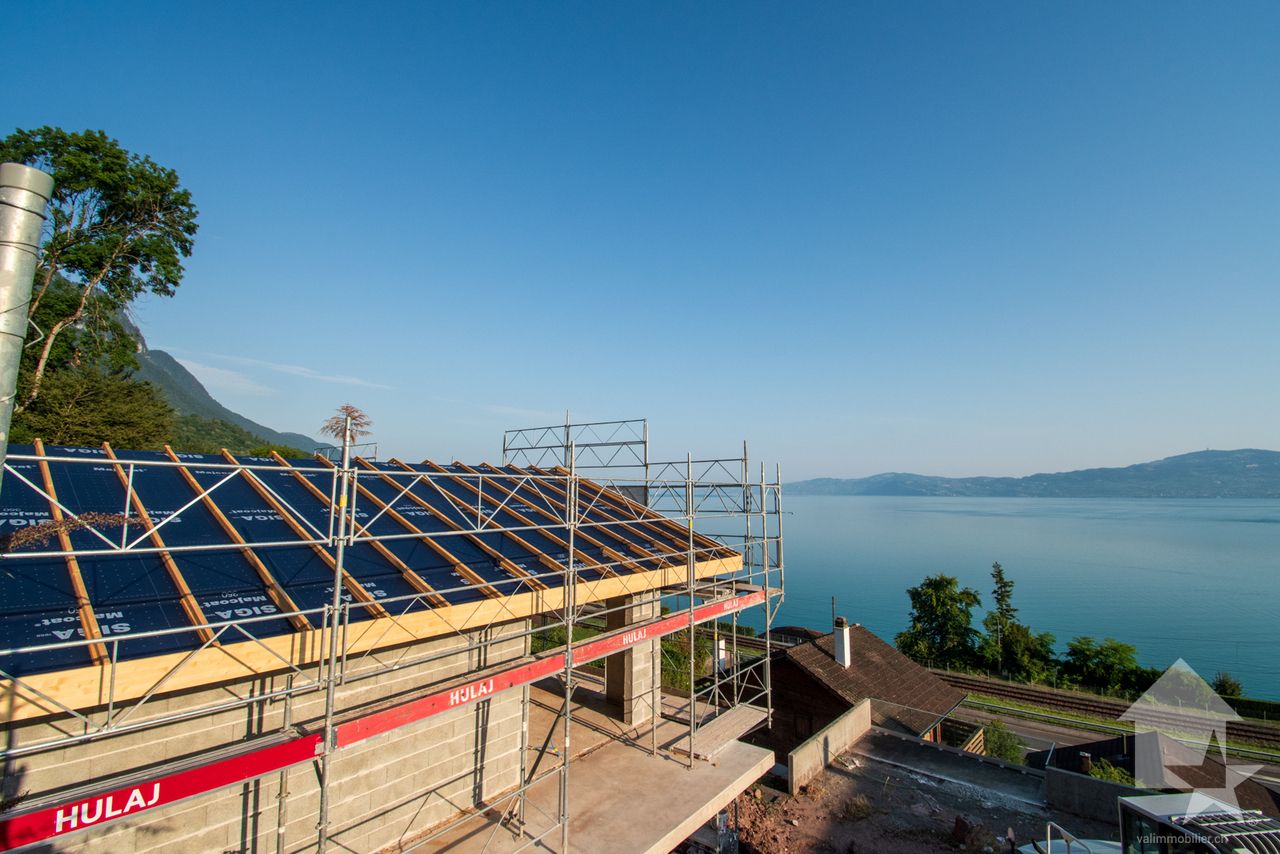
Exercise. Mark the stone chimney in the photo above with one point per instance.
(841, 637)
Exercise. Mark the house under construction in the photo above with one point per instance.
(212, 653)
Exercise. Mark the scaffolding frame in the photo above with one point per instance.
(619, 478)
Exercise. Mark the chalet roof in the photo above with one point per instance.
(903, 694)
(100, 544)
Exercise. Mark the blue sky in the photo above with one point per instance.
(980, 238)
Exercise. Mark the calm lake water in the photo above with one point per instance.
(1196, 579)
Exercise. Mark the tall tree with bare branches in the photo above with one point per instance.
(336, 424)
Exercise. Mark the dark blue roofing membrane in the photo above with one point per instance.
(132, 593)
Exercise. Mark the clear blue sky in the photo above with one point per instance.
(952, 238)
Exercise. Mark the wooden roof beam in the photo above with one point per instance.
(185, 598)
(658, 536)
(507, 564)
(411, 578)
(84, 608)
(541, 556)
(357, 591)
(277, 593)
(609, 551)
(622, 502)
(637, 550)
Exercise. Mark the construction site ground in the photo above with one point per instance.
(622, 797)
(879, 806)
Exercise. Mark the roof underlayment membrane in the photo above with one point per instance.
(210, 563)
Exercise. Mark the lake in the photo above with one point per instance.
(1191, 579)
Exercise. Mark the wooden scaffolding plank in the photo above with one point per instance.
(84, 608)
(357, 591)
(277, 593)
(507, 564)
(635, 549)
(417, 582)
(185, 598)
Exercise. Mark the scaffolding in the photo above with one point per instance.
(588, 481)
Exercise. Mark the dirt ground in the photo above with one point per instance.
(859, 805)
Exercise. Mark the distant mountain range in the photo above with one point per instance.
(1246, 473)
(188, 397)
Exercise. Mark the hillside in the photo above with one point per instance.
(1245, 473)
(188, 397)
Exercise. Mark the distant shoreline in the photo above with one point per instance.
(1241, 474)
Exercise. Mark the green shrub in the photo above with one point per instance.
(1002, 744)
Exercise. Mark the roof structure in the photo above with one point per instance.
(181, 552)
(904, 695)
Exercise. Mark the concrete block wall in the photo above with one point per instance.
(628, 675)
(382, 790)
(1086, 796)
(811, 757)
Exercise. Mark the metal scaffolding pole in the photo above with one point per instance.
(689, 504)
(570, 585)
(709, 492)
(331, 686)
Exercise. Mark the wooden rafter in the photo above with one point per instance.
(463, 571)
(660, 537)
(622, 502)
(544, 559)
(609, 551)
(84, 687)
(357, 591)
(88, 620)
(637, 550)
(185, 598)
(507, 564)
(411, 578)
(277, 593)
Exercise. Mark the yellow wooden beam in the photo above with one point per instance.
(357, 591)
(411, 578)
(277, 593)
(82, 688)
(185, 598)
(544, 559)
(88, 620)
(503, 561)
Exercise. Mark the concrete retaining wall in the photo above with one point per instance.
(819, 750)
(1085, 796)
(382, 790)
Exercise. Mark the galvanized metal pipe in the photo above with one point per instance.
(24, 197)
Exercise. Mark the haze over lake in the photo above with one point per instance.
(1195, 579)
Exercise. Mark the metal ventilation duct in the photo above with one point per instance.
(24, 197)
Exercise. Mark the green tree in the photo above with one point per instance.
(98, 340)
(1109, 666)
(1010, 647)
(1002, 744)
(119, 226)
(85, 406)
(1226, 685)
(940, 632)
